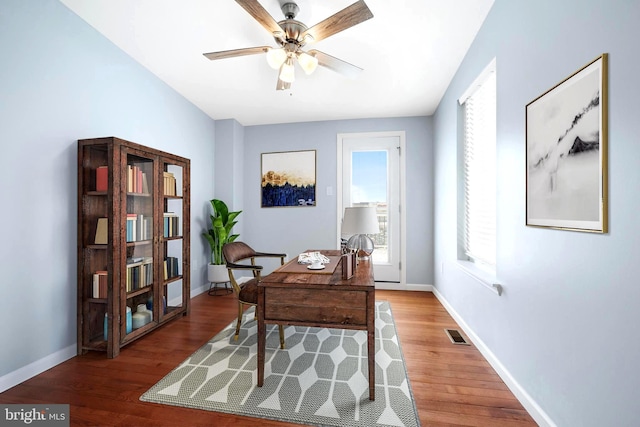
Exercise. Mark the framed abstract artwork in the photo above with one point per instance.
(566, 153)
(288, 179)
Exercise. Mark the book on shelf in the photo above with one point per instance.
(139, 273)
(169, 184)
(171, 224)
(132, 220)
(145, 184)
(102, 232)
(100, 284)
(137, 180)
(171, 267)
(139, 227)
(102, 178)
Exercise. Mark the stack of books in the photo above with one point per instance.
(136, 180)
(139, 273)
(100, 289)
(171, 267)
(169, 184)
(139, 227)
(171, 224)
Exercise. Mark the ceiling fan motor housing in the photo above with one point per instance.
(293, 30)
(290, 10)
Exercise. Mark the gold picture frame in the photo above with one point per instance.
(566, 152)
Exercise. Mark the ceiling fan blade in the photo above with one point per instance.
(346, 18)
(236, 52)
(282, 85)
(261, 15)
(335, 64)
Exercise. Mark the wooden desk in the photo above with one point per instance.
(319, 300)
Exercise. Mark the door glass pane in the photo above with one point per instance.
(173, 286)
(369, 187)
(139, 243)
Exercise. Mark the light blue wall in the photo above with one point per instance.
(229, 166)
(293, 230)
(566, 326)
(61, 81)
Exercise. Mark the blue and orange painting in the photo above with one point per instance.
(289, 179)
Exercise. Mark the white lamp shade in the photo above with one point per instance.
(276, 57)
(307, 62)
(360, 220)
(287, 72)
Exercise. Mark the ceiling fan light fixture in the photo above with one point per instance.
(309, 63)
(308, 38)
(276, 57)
(287, 72)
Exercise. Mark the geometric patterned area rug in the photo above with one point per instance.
(320, 378)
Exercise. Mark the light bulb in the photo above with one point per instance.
(275, 57)
(287, 72)
(307, 62)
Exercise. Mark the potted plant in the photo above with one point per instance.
(222, 221)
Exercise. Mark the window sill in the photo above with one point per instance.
(487, 279)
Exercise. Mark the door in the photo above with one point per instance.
(370, 175)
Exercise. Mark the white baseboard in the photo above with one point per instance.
(199, 290)
(406, 287)
(26, 372)
(39, 366)
(532, 407)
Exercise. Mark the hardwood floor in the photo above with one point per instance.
(453, 385)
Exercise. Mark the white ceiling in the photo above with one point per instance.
(409, 51)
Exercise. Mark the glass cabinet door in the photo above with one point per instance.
(138, 299)
(172, 289)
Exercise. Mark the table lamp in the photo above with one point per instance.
(359, 221)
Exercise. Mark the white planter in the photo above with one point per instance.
(217, 273)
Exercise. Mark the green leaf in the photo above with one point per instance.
(222, 221)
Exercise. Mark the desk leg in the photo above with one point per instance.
(261, 335)
(371, 343)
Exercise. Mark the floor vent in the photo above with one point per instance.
(456, 337)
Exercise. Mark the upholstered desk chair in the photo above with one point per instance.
(236, 255)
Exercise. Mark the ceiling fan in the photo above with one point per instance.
(291, 36)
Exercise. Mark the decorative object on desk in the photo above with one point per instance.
(320, 379)
(317, 265)
(566, 149)
(312, 257)
(348, 265)
(222, 221)
(359, 221)
(288, 179)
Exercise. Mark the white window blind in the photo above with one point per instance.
(479, 172)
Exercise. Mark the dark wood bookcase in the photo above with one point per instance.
(133, 274)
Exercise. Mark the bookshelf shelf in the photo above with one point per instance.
(124, 191)
(172, 279)
(137, 292)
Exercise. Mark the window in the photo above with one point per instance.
(478, 215)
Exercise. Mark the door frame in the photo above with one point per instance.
(402, 199)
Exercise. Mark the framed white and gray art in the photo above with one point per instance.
(566, 152)
(288, 179)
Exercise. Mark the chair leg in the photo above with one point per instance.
(239, 321)
(281, 329)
